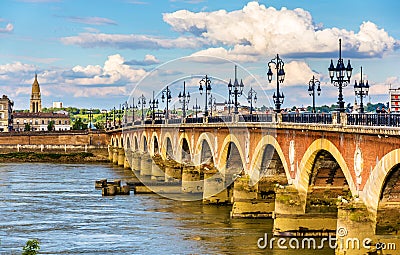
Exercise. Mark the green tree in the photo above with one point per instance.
(31, 248)
(27, 127)
(79, 125)
(50, 126)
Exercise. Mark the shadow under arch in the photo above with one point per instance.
(204, 151)
(184, 149)
(144, 144)
(154, 144)
(167, 150)
(259, 152)
(136, 143)
(375, 187)
(307, 163)
(226, 148)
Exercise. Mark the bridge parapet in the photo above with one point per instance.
(379, 124)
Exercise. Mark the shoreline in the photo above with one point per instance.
(73, 157)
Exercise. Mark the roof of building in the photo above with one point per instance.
(39, 115)
(35, 86)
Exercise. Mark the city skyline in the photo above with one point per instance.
(94, 56)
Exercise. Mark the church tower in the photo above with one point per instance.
(36, 100)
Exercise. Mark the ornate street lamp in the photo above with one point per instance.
(340, 76)
(211, 102)
(237, 90)
(125, 112)
(280, 72)
(142, 102)
(252, 96)
(184, 99)
(134, 108)
(154, 104)
(196, 108)
(114, 116)
(361, 90)
(166, 96)
(206, 82)
(119, 115)
(90, 115)
(311, 90)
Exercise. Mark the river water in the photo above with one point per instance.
(58, 205)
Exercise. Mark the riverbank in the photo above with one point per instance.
(75, 157)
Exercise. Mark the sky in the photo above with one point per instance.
(99, 54)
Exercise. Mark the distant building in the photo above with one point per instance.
(39, 121)
(57, 105)
(36, 100)
(35, 119)
(394, 100)
(6, 109)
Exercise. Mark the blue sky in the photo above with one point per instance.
(101, 53)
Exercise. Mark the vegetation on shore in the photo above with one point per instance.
(49, 157)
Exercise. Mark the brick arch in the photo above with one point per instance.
(178, 153)
(223, 155)
(135, 142)
(121, 142)
(154, 138)
(307, 163)
(163, 146)
(128, 142)
(209, 138)
(258, 155)
(144, 141)
(373, 187)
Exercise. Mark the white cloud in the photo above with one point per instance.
(7, 29)
(92, 20)
(132, 41)
(256, 31)
(148, 60)
(112, 79)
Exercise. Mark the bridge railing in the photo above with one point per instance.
(218, 119)
(321, 118)
(174, 121)
(256, 118)
(194, 120)
(378, 119)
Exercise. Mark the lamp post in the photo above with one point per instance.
(134, 108)
(196, 108)
(166, 97)
(340, 76)
(206, 82)
(250, 97)
(142, 102)
(125, 112)
(311, 90)
(90, 115)
(236, 89)
(154, 104)
(280, 73)
(119, 115)
(114, 116)
(184, 99)
(361, 90)
(211, 103)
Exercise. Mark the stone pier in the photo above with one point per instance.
(115, 156)
(215, 190)
(156, 173)
(145, 165)
(191, 179)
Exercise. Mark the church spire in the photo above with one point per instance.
(36, 100)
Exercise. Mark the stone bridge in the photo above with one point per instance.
(304, 168)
